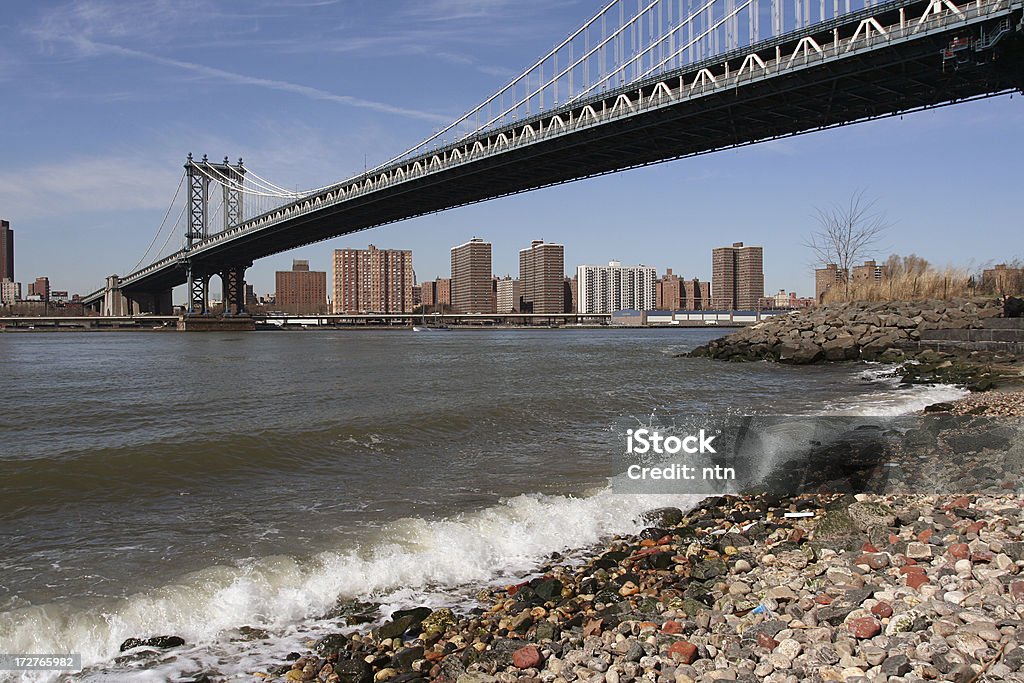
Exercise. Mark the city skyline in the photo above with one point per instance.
(86, 197)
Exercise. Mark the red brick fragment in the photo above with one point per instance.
(865, 627)
(683, 651)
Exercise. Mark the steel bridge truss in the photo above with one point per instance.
(230, 178)
(853, 67)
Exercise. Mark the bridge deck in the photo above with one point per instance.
(827, 75)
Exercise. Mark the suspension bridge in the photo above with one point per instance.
(642, 82)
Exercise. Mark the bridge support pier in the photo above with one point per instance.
(156, 303)
(233, 282)
(198, 291)
(114, 302)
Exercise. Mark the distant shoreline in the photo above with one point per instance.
(361, 328)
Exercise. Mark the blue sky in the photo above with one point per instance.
(100, 100)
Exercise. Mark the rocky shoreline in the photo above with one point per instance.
(882, 331)
(806, 588)
(865, 588)
(997, 403)
(888, 332)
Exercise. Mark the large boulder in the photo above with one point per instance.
(800, 353)
(843, 347)
(1013, 307)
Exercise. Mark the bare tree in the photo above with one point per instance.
(847, 233)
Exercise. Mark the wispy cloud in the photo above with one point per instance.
(452, 10)
(88, 27)
(273, 84)
(114, 183)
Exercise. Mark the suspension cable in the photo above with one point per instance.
(161, 228)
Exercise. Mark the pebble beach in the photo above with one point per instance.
(809, 588)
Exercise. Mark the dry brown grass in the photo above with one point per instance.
(911, 278)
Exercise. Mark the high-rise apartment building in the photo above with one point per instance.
(826, 278)
(6, 251)
(569, 289)
(428, 294)
(611, 288)
(677, 294)
(669, 292)
(696, 295)
(436, 295)
(509, 292)
(737, 276)
(472, 290)
(443, 292)
(832, 275)
(301, 291)
(542, 278)
(40, 288)
(870, 271)
(10, 292)
(373, 280)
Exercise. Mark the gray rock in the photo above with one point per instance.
(896, 665)
(867, 515)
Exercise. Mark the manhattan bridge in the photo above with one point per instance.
(641, 82)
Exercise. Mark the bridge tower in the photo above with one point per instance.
(230, 178)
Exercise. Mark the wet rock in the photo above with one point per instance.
(329, 644)
(709, 569)
(404, 658)
(666, 517)
(353, 671)
(250, 633)
(159, 642)
(402, 621)
(437, 622)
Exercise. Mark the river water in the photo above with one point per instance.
(191, 484)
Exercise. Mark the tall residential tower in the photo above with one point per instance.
(6, 251)
(373, 280)
(472, 288)
(542, 278)
(737, 277)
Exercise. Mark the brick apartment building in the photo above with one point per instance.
(737, 276)
(542, 278)
(472, 289)
(373, 280)
(301, 291)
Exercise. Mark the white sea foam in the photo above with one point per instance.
(889, 397)
(412, 561)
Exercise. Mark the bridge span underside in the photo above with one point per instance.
(893, 77)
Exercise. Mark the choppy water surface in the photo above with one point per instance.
(157, 483)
